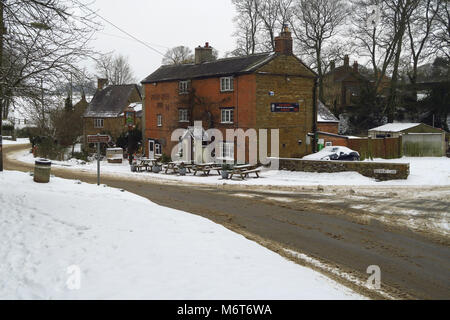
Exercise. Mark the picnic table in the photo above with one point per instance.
(206, 168)
(243, 171)
(145, 163)
(173, 166)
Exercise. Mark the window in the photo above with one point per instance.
(183, 115)
(98, 123)
(159, 120)
(226, 84)
(226, 150)
(183, 87)
(227, 115)
(158, 149)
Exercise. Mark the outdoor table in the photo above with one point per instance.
(146, 163)
(203, 167)
(171, 166)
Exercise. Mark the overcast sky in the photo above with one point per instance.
(163, 24)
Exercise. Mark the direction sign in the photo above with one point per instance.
(99, 139)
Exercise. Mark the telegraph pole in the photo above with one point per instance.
(2, 32)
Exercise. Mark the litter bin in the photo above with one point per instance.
(42, 168)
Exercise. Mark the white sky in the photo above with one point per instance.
(163, 24)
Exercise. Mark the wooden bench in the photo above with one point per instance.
(246, 173)
(205, 170)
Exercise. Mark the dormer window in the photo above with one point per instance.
(226, 84)
(183, 87)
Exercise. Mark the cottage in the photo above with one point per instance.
(274, 90)
(105, 113)
(342, 85)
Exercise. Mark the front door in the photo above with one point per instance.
(151, 149)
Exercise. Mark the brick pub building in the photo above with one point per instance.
(273, 90)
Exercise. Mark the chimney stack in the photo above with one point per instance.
(203, 54)
(101, 83)
(355, 66)
(283, 43)
(332, 65)
(346, 61)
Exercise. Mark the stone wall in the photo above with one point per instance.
(377, 170)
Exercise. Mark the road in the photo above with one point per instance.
(414, 265)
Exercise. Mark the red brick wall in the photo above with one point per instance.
(328, 127)
(164, 99)
(337, 141)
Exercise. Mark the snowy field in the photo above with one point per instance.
(126, 247)
(423, 172)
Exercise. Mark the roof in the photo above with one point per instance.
(221, 67)
(395, 127)
(111, 101)
(324, 114)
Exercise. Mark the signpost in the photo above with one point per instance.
(98, 139)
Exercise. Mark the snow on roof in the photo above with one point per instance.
(324, 114)
(395, 127)
(137, 106)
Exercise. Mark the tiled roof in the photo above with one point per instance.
(221, 67)
(111, 101)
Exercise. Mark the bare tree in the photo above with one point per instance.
(116, 69)
(43, 39)
(178, 55)
(314, 24)
(248, 22)
(420, 29)
(441, 33)
(401, 14)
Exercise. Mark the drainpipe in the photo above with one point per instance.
(314, 124)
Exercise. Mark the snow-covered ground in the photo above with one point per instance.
(19, 141)
(423, 172)
(126, 247)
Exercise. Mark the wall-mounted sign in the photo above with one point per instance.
(284, 107)
(384, 171)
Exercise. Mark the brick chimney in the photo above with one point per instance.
(203, 54)
(101, 83)
(332, 65)
(355, 66)
(346, 61)
(283, 43)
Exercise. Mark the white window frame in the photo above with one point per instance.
(158, 149)
(159, 120)
(183, 115)
(99, 123)
(226, 151)
(183, 87)
(226, 84)
(227, 115)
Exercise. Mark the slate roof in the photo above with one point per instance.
(111, 101)
(221, 67)
(324, 114)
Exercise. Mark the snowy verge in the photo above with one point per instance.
(126, 247)
(19, 141)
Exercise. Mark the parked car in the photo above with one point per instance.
(334, 153)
